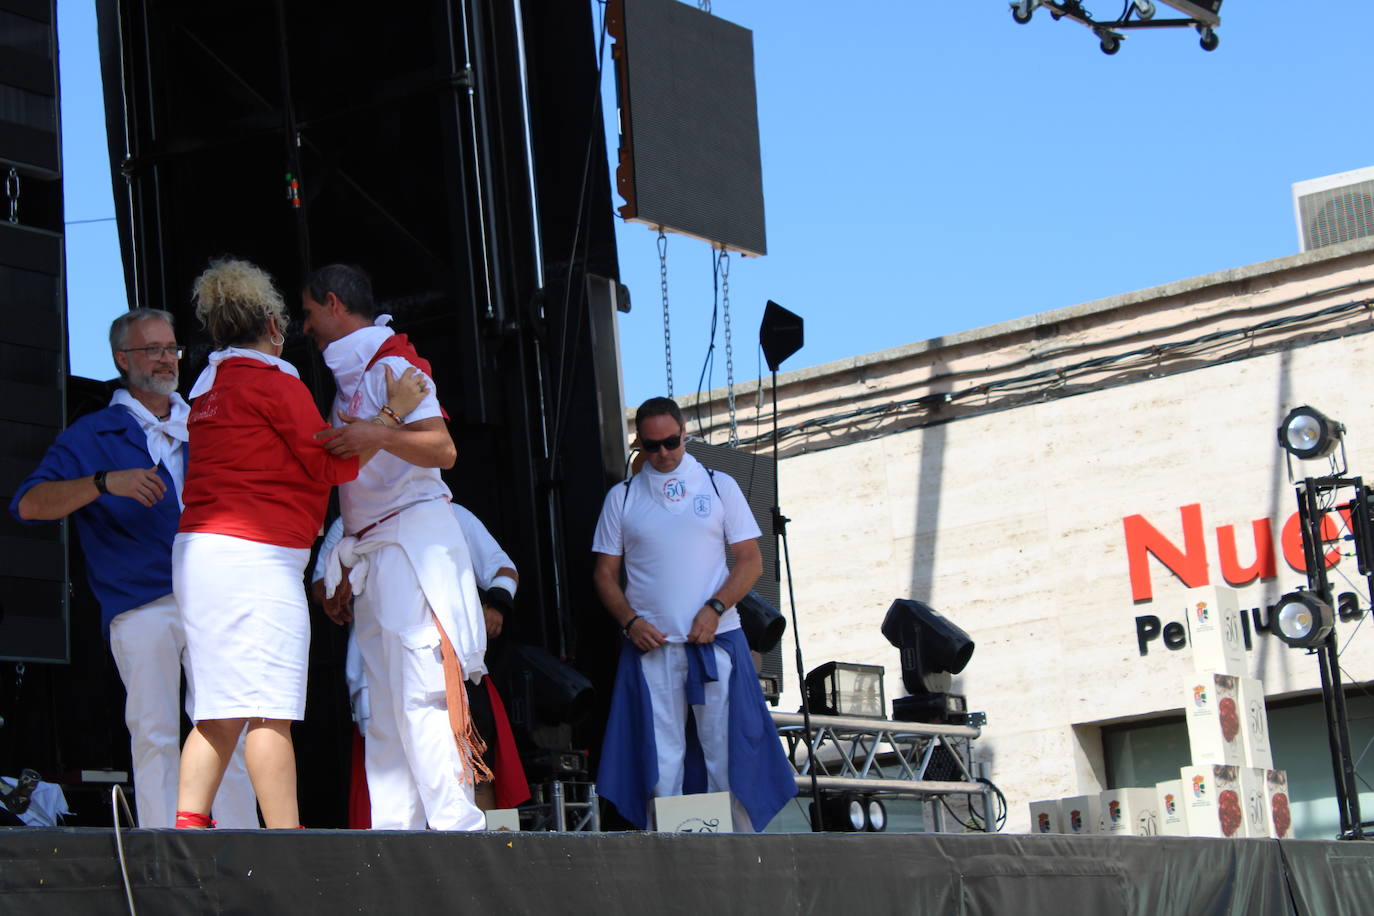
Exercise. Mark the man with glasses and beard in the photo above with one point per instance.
(119, 473)
(668, 527)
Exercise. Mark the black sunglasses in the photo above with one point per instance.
(653, 445)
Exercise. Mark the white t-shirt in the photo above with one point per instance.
(487, 555)
(671, 530)
(386, 483)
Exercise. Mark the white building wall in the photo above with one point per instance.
(1011, 525)
(988, 474)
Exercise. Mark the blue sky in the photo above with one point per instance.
(933, 167)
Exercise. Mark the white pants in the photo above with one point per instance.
(149, 647)
(665, 674)
(414, 772)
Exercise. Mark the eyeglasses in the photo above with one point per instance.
(653, 445)
(157, 352)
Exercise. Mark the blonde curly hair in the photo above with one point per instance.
(234, 299)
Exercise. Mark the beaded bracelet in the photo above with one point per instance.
(386, 409)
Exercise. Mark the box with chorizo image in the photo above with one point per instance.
(1227, 720)
(1216, 802)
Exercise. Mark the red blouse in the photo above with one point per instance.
(254, 469)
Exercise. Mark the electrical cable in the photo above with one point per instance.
(708, 364)
(117, 802)
(1057, 377)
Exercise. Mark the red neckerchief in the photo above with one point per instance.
(400, 345)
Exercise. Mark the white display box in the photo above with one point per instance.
(1046, 817)
(505, 819)
(1082, 814)
(1276, 798)
(1130, 812)
(708, 812)
(1214, 631)
(1173, 811)
(1255, 801)
(1255, 734)
(1215, 801)
(1213, 710)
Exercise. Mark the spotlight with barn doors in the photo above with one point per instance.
(1302, 620)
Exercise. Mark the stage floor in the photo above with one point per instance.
(76, 870)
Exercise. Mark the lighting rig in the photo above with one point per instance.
(1203, 15)
(1304, 619)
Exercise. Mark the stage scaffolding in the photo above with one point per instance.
(884, 758)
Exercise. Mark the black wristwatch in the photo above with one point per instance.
(716, 605)
(99, 480)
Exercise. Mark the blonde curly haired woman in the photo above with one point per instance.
(257, 487)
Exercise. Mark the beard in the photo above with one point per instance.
(148, 382)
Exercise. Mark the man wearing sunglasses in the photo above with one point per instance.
(118, 472)
(668, 528)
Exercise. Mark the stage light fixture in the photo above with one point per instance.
(1302, 620)
(850, 813)
(933, 650)
(1307, 434)
(877, 816)
(843, 689)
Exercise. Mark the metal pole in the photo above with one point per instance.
(780, 531)
(1328, 655)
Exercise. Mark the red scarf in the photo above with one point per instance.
(400, 345)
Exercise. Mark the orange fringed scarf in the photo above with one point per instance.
(471, 747)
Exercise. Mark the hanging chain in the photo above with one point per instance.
(663, 288)
(12, 192)
(729, 346)
(19, 670)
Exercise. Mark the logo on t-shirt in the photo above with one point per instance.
(674, 489)
(355, 404)
(702, 506)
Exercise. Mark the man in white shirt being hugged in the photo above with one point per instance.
(418, 620)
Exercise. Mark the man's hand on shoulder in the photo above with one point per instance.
(142, 484)
(704, 626)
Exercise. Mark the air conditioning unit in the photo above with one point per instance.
(1334, 209)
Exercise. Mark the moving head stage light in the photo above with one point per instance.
(933, 650)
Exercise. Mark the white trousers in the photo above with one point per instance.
(149, 647)
(414, 772)
(665, 674)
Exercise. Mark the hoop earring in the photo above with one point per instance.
(278, 341)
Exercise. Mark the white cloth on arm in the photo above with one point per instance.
(165, 437)
(672, 529)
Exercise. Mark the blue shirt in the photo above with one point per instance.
(128, 546)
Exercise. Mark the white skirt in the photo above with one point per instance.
(247, 625)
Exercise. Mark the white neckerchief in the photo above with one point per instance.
(673, 490)
(207, 377)
(164, 436)
(348, 356)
